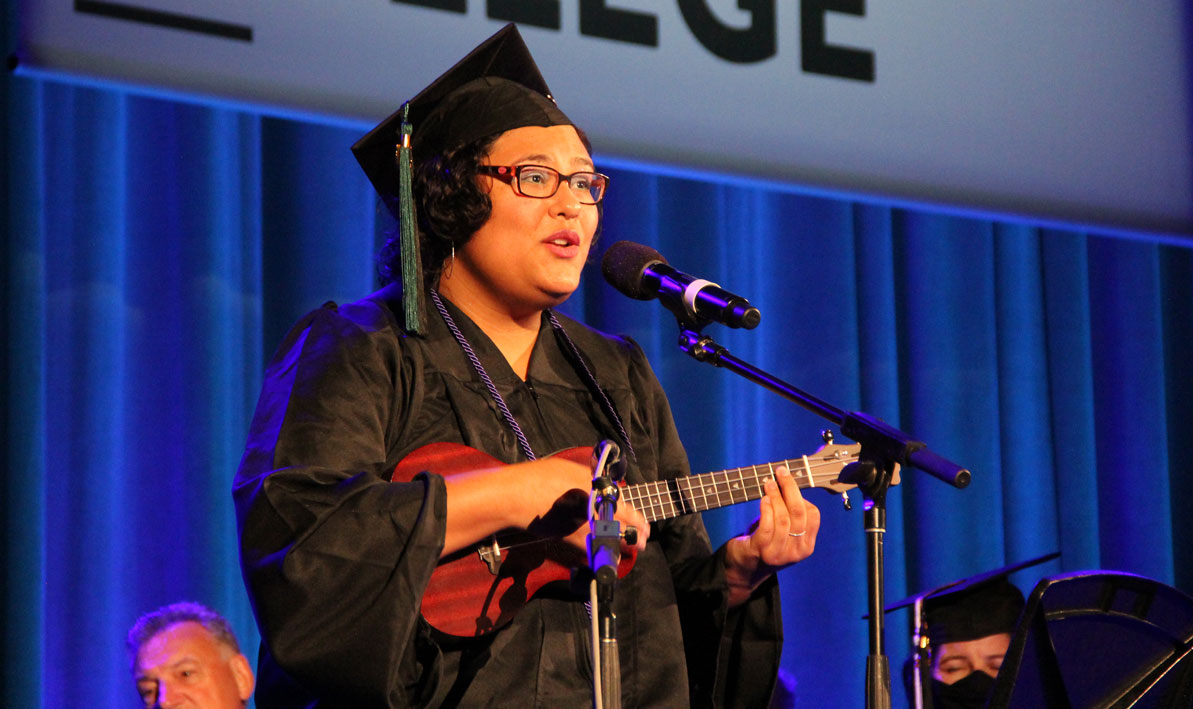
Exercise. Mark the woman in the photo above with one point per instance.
(337, 559)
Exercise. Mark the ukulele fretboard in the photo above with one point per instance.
(664, 499)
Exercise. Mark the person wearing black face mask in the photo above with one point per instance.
(968, 632)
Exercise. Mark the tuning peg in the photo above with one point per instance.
(827, 436)
(845, 501)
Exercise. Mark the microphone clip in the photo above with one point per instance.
(608, 469)
(604, 538)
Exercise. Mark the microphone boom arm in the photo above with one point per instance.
(882, 447)
(884, 440)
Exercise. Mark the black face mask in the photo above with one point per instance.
(971, 692)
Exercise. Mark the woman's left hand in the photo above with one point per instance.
(784, 534)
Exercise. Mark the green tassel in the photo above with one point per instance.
(412, 271)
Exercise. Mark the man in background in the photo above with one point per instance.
(186, 655)
(969, 631)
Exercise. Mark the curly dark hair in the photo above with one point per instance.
(450, 205)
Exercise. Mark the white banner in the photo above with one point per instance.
(1073, 112)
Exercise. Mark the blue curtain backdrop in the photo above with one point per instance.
(156, 251)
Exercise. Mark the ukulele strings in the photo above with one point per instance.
(660, 496)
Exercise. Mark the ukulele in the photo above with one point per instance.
(477, 590)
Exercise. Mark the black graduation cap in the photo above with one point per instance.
(981, 605)
(974, 612)
(495, 88)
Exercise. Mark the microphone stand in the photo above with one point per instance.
(604, 555)
(883, 447)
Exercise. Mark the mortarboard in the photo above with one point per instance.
(495, 88)
(974, 612)
(972, 608)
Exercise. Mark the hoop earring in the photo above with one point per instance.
(451, 264)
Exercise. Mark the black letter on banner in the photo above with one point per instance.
(822, 58)
(451, 5)
(753, 44)
(596, 20)
(539, 13)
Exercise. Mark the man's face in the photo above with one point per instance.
(955, 661)
(184, 666)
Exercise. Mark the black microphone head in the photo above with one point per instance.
(623, 265)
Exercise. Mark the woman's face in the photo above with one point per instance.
(529, 254)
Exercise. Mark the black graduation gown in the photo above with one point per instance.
(336, 558)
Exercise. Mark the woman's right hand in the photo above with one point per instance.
(548, 497)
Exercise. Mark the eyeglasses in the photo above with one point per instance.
(541, 182)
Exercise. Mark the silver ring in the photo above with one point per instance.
(794, 534)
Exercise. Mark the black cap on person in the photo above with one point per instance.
(973, 612)
(495, 88)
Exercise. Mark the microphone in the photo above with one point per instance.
(642, 273)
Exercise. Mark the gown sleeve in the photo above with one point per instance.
(732, 655)
(334, 556)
